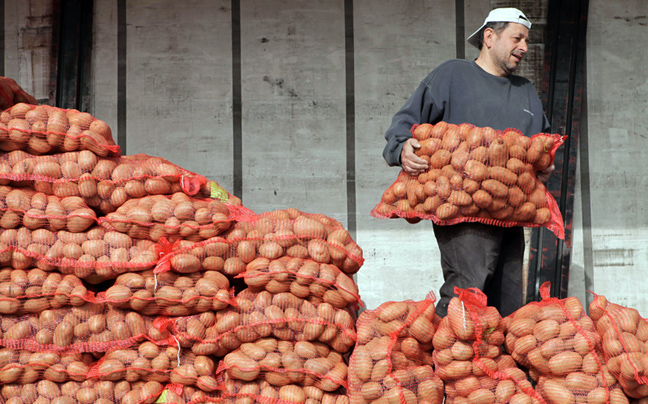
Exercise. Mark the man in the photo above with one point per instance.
(11, 93)
(483, 92)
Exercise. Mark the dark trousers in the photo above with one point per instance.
(486, 257)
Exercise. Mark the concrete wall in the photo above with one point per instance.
(179, 105)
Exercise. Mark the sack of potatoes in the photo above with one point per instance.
(258, 315)
(169, 293)
(33, 290)
(557, 342)
(104, 183)
(42, 129)
(305, 278)
(392, 357)
(476, 175)
(624, 334)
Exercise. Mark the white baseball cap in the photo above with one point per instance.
(506, 14)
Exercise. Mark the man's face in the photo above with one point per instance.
(509, 47)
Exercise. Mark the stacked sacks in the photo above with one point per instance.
(557, 342)
(63, 337)
(624, 333)
(392, 359)
(468, 355)
(292, 323)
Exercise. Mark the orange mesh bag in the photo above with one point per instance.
(468, 355)
(308, 279)
(42, 129)
(169, 293)
(175, 393)
(104, 183)
(281, 363)
(260, 391)
(173, 217)
(150, 362)
(33, 290)
(212, 189)
(262, 236)
(558, 344)
(26, 367)
(86, 392)
(88, 328)
(95, 255)
(293, 233)
(258, 315)
(477, 175)
(36, 210)
(392, 360)
(624, 334)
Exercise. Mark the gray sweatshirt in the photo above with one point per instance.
(459, 91)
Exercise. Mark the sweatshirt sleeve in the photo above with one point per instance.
(419, 108)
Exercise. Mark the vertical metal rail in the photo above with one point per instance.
(74, 54)
(350, 117)
(562, 92)
(237, 109)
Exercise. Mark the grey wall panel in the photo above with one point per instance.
(397, 44)
(617, 122)
(179, 84)
(293, 106)
(103, 93)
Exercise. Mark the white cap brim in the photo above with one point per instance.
(507, 14)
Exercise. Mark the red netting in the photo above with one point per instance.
(169, 293)
(36, 210)
(260, 391)
(95, 255)
(91, 327)
(104, 183)
(304, 278)
(26, 367)
(477, 175)
(42, 129)
(392, 359)
(624, 334)
(86, 392)
(258, 315)
(173, 217)
(281, 363)
(557, 342)
(32, 291)
(468, 354)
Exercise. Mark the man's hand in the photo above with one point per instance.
(11, 93)
(411, 163)
(543, 175)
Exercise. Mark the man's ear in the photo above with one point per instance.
(489, 37)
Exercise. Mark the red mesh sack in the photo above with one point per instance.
(42, 129)
(468, 355)
(477, 175)
(175, 393)
(258, 315)
(281, 363)
(32, 291)
(173, 217)
(624, 334)
(26, 367)
(212, 189)
(298, 234)
(95, 255)
(556, 341)
(150, 362)
(308, 279)
(36, 210)
(392, 358)
(260, 391)
(262, 236)
(88, 328)
(169, 293)
(86, 392)
(104, 183)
